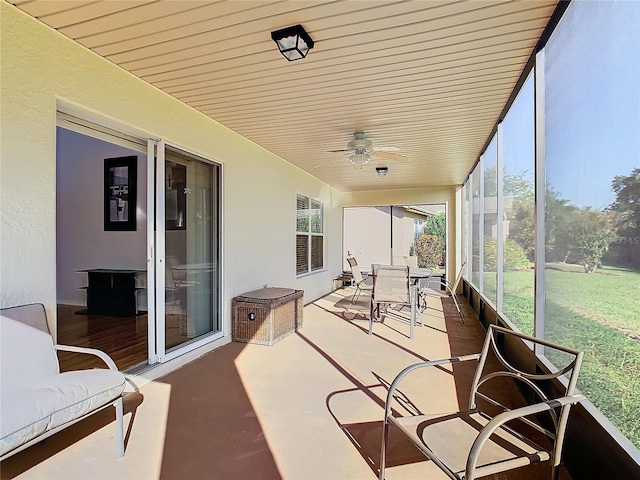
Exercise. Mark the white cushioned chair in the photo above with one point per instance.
(36, 400)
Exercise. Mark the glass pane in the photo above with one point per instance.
(465, 225)
(519, 205)
(592, 272)
(302, 253)
(302, 214)
(191, 250)
(490, 219)
(316, 252)
(316, 216)
(475, 227)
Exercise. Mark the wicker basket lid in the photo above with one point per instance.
(269, 293)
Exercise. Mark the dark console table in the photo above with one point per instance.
(112, 292)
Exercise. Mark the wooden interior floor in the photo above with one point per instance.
(124, 339)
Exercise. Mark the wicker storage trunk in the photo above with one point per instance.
(267, 315)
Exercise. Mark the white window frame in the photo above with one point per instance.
(310, 234)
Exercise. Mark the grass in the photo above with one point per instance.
(598, 313)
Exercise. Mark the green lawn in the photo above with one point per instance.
(598, 313)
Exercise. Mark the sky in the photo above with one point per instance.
(592, 100)
(592, 105)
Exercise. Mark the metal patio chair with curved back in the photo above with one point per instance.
(391, 286)
(361, 283)
(491, 437)
(450, 288)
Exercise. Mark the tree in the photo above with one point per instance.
(435, 225)
(521, 190)
(522, 227)
(558, 214)
(513, 184)
(513, 257)
(589, 234)
(626, 212)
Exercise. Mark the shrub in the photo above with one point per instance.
(430, 251)
(514, 256)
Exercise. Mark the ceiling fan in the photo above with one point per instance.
(360, 150)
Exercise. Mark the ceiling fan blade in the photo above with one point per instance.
(339, 151)
(323, 164)
(386, 149)
(391, 156)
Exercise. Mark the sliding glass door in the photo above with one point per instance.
(187, 241)
(176, 293)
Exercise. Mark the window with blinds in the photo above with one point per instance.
(309, 235)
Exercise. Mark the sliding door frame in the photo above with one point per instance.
(88, 123)
(164, 354)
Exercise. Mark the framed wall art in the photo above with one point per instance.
(120, 180)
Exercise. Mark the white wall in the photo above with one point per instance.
(366, 236)
(41, 68)
(80, 237)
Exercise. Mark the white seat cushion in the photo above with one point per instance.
(26, 354)
(28, 411)
(83, 391)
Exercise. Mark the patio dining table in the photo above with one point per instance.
(416, 274)
(418, 300)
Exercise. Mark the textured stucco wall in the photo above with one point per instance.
(40, 68)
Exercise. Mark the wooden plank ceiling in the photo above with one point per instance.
(427, 77)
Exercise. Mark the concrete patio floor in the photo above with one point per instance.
(308, 407)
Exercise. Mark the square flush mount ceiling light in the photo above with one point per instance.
(382, 171)
(293, 42)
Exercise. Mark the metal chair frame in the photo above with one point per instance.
(450, 288)
(359, 279)
(414, 426)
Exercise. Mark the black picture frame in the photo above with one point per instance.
(120, 193)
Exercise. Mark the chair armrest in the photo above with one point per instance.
(442, 282)
(89, 351)
(507, 416)
(416, 366)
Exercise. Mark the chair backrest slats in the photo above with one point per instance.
(391, 283)
(355, 270)
(357, 274)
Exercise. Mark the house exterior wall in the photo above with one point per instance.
(365, 236)
(41, 68)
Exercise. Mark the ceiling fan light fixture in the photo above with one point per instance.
(360, 159)
(293, 42)
(382, 171)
